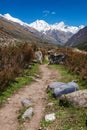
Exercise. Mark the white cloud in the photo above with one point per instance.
(47, 12)
(53, 12)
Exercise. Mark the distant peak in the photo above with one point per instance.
(81, 26)
(40, 25)
(9, 17)
(43, 26)
(60, 23)
(40, 22)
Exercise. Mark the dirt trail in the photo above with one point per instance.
(34, 92)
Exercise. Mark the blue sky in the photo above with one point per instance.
(72, 12)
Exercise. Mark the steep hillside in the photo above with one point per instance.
(10, 31)
(79, 39)
(58, 37)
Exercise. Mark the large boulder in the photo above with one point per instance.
(65, 89)
(78, 98)
(56, 58)
(39, 56)
(55, 85)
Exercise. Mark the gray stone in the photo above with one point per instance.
(54, 85)
(26, 103)
(56, 58)
(28, 113)
(78, 98)
(39, 56)
(50, 117)
(65, 89)
(73, 84)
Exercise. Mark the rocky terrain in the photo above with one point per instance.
(79, 39)
(57, 33)
(11, 32)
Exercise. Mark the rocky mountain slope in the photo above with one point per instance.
(14, 28)
(11, 31)
(79, 39)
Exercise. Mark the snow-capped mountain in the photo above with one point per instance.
(11, 32)
(56, 33)
(42, 26)
(16, 20)
(9, 17)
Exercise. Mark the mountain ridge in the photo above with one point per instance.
(11, 32)
(41, 25)
(58, 33)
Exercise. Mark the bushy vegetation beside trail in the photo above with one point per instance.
(75, 61)
(13, 60)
